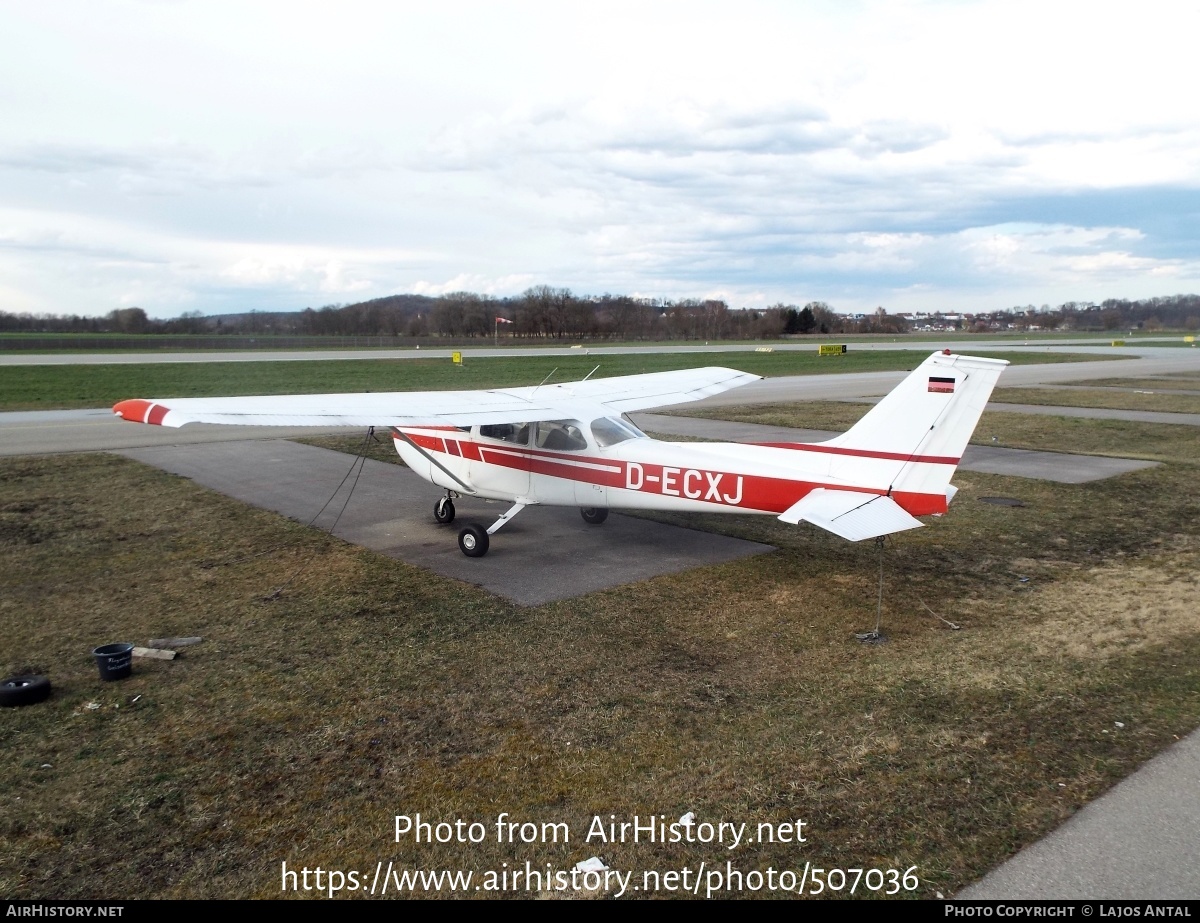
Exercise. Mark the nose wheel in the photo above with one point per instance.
(443, 510)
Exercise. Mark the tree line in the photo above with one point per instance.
(1171, 312)
(540, 313)
(547, 313)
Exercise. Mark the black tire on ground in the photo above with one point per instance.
(443, 510)
(594, 515)
(473, 541)
(24, 690)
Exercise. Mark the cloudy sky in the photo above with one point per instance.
(215, 157)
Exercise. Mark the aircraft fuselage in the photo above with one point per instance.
(645, 473)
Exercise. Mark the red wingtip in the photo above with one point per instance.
(132, 410)
(140, 411)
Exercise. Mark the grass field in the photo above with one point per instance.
(1181, 382)
(307, 719)
(75, 386)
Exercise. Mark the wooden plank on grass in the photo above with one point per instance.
(154, 653)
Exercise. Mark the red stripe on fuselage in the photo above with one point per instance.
(431, 443)
(860, 453)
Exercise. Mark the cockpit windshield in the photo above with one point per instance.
(610, 431)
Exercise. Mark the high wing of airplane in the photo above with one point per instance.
(571, 445)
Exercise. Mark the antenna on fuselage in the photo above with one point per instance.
(544, 380)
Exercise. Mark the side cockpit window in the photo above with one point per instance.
(560, 436)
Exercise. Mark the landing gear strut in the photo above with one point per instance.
(443, 510)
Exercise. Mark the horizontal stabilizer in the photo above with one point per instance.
(851, 514)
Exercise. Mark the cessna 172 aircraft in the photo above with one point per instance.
(571, 445)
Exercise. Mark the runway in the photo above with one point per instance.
(54, 432)
(1142, 346)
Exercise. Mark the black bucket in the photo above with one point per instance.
(114, 660)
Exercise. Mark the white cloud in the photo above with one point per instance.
(209, 153)
(480, 285)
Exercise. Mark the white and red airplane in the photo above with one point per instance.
(571, 445)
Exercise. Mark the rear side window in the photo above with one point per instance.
(516, 433)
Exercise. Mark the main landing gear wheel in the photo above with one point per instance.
(443, 510)
(593, 515)
(473, 541)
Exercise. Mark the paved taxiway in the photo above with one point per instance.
(56, 432)
(1139, 347)
(1139, 840)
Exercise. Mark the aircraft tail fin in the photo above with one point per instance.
(911, 441)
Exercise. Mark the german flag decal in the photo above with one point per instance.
(941, 385)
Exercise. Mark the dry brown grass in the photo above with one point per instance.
(1182, 381)
(379, 448)
(1113, 399)
(835, 416)
(1107, 611)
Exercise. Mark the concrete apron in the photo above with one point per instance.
(543, 555)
